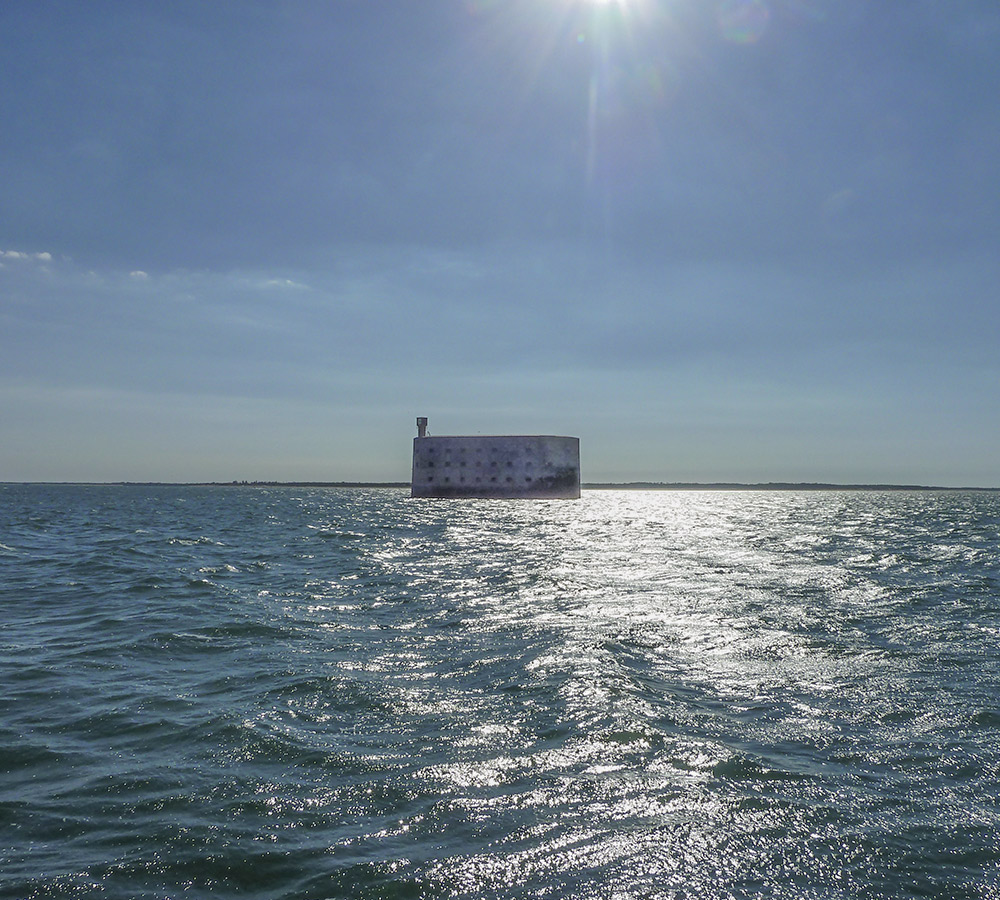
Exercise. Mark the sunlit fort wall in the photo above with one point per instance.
(504, 466)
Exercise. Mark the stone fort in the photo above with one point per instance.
(501, 466)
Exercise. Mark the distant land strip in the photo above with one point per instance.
(638, 485)
(590, 486)
(768, 486)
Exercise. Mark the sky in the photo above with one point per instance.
(718, 240)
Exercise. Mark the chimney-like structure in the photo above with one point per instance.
(421, 426)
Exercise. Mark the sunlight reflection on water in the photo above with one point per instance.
(710, 656)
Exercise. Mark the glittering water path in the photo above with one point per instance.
(331, 693)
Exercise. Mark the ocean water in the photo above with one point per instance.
(319, 693)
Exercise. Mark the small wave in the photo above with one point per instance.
(741, 767)
(193, 542)
(225, 569)
(18, 754)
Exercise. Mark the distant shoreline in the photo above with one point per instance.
(771, 486)
(587, 486)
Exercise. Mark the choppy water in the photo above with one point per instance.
(291, 693)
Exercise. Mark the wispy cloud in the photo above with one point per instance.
(20, 255)
(285, 283)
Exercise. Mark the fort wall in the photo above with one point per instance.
(503, 466)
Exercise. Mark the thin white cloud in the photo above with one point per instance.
(285, 283)
(138, 275)
(44, 256)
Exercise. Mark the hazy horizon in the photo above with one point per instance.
(738, 241)
(585, 485)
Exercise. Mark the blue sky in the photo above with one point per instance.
(745, 240)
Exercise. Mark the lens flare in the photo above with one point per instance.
(743, 21)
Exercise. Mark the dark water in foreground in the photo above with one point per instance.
(295, 693)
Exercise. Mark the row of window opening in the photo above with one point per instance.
(509, 479)
(462, 464)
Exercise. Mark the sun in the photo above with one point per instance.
(622, 7)
(621, 4)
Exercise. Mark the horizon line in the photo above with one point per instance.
(592, 485)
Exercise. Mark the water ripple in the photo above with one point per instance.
(317, 693)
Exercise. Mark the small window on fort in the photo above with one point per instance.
(447, 480)
(509, 479)
(430, 478)
(494, 478)
(528, 478)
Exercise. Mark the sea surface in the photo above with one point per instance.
(317, 693)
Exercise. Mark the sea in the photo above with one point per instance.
(291, 692)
